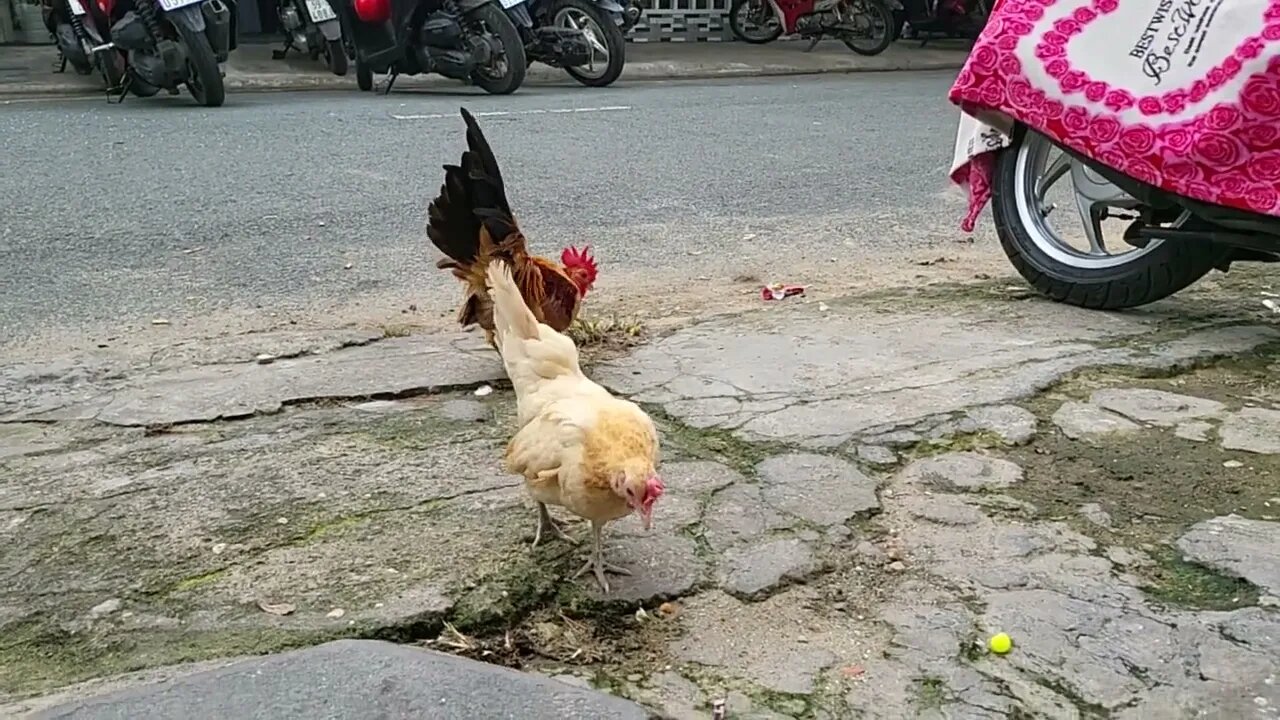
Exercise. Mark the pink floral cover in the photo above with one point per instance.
(1182, 94)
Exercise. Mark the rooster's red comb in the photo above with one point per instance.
(582, 258)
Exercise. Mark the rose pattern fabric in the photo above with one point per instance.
(1228, 155)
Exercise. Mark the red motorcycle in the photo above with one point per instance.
(81, 35)
(864, 26)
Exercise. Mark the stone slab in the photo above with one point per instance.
(795, 376)
(202, 393)
(350, 679)
(1248, 549)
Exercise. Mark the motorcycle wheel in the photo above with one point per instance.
(880, 17)
(364, 76)
(335, 56)
(204, 80)
(507, 80)
(740, 15)
(1093, 278)
(586, 15)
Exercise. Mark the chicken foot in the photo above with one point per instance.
(595, 562)
(546, 524)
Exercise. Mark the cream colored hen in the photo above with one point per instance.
(578, 446)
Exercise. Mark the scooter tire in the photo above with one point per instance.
(336, 58)
(878, 10)
(1148, 277)
(735, 26)
(209, 90)
(615, 42)
(497, 22)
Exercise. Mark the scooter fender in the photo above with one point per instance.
(219, 20)
(190, 17)
(610, 6)
(331, 29)
(894, 5)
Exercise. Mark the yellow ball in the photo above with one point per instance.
(1000, 643)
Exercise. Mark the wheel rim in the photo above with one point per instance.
(598, 61)
(866, 26)
(1039, 166)
(757, 20)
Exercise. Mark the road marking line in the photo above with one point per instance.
(504, 113)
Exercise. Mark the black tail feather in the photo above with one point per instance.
(472, 194)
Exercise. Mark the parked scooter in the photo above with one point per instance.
(172, 43)
(312, 27)
(469, 40)
(924, 19)
(865, 26)
(1183, 186)
(584, 37)
(78, 30)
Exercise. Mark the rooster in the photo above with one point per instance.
(471, 223)
(578, 446)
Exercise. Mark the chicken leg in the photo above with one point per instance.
(595, 562)
(546, 524)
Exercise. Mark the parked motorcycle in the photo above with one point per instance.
(469, 40)
(171, 43)
(81, 40)
(865, 26)
(584, 37)
(924, 19)
(312, 27)
(1124, 231)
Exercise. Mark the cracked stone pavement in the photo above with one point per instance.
(857, 499)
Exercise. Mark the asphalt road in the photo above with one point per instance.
(116, 214)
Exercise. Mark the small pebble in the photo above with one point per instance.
(336, 613)
(897, 566)
(265, 358)
(1233, 464)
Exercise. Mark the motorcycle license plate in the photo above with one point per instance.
(168, 5)
(76, 8)
(320, 10)
(508, 4)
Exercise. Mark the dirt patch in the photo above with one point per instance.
(1141, 490)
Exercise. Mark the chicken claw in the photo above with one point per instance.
(545, 523)
(596, 561)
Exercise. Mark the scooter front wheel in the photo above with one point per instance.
(753, 21)
(335, 56)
